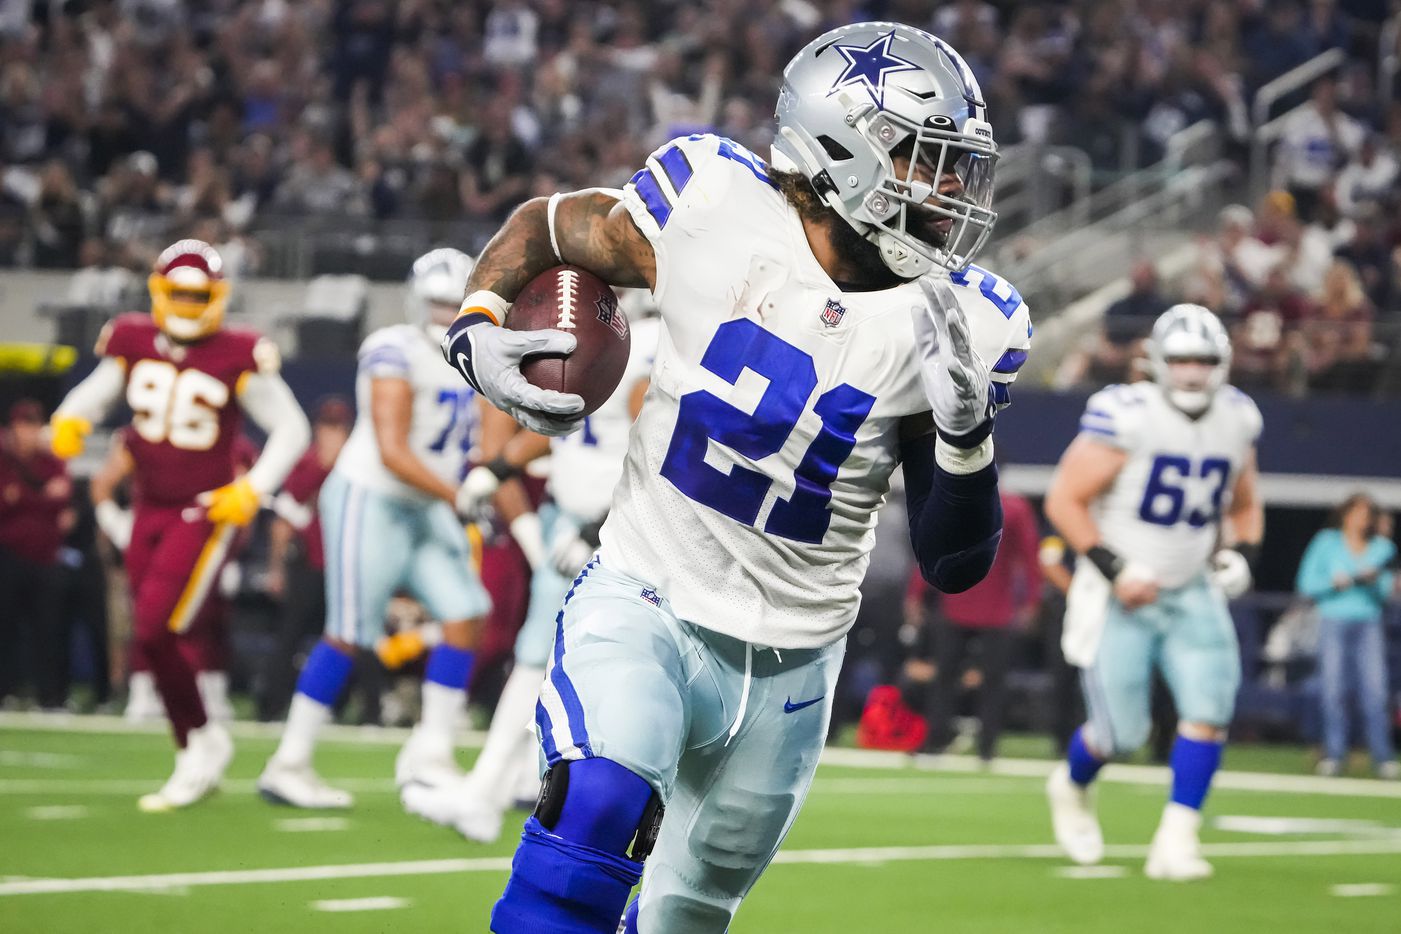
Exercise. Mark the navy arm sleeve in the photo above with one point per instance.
(955, 520)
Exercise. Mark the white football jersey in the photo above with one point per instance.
(765, 446)
(585, 466)
(1164, 508)
(445, 417)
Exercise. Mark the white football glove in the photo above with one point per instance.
(569, 552)
(955, 377)
(115, 522)
(530, 536)
(1231, 572)
(479, 486)
(489, 358)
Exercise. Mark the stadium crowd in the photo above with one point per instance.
(124, 123)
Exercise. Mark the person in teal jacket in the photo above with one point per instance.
(1347, 573)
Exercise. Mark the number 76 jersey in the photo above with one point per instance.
(770, 429)
(1164, 507)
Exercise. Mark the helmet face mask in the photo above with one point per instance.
(188, 291)
(1189, 354)
(437, 284)
(888, 124)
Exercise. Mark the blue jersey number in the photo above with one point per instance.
(1165, 499)
(458, 402)
(704, 418)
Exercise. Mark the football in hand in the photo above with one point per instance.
(574, 300)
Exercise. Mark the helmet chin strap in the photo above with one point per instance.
(1191, 401)
(898, 258)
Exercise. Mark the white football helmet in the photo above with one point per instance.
(857, 97)
(437, 284)
(1189, 334)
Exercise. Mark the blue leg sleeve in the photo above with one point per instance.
(1083, 764)
(1193, 764)
(575, 878)
(630, 919)
(324, 674)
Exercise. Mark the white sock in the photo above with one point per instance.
(494, 774)
(304, 722)
(214, 691)
(442, 709)
(142, 701)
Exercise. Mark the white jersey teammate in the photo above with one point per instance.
(815, 313)
(1162, 474)
(584, 468)
(387, 511)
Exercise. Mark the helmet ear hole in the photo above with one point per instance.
(835, 150)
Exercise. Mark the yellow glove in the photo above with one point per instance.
(235, 503)
(398, 650)
(67, 433)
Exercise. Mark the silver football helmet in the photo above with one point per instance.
(857, 97)
(437, 284)
(1189, 334)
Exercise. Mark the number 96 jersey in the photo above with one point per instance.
(770, 429)
(1164, 507)
(184, 402)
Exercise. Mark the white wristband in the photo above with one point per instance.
(550, 209)
(488, 301)
(962, 460)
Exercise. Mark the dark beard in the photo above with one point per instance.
(864, 270)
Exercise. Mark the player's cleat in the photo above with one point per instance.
(1328, 768)
(1176, 853)
(300, 787)
(1389, 771)
(424, 762)
(456, 805)
(1073, 818)
(199, 768)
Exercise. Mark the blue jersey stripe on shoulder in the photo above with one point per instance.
(1096, 430)
(677, 167)
(729, 149)
(1010, 362)
(651, 194)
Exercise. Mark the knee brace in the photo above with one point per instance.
(581, 852)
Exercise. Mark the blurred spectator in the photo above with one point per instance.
(1370, 254)
(1274, 43)
(1317, 141)
(100, 282)
(497, 167)
(1368, 179)
(57, 218)
(35, 515)
(134, 204)
(316, 183)
(1243, 261)
(988, 615)
(1337, 337)
(1265, 340)
(1126, 323)
(1345, 572)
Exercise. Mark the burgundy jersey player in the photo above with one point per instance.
(188, 382)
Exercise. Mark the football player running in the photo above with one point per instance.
(188, 381)
(584, 467)
(388, 516)
(823, 325)
(1160, 478)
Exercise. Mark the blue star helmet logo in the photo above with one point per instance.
(869, 66)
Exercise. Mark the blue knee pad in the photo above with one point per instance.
(572, 873)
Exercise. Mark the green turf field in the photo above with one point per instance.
(884, 844)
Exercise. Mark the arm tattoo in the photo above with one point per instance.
(594, 231)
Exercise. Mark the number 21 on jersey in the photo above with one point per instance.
(738, 345)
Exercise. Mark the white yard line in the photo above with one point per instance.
(140, 786)
(1362, 890)
(373, 903)
(311, 824)
(833, 756)
(856, 856)
(56, 812)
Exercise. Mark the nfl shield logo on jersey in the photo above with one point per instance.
(832, 314)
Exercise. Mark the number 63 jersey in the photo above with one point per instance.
(770, 429)
(1164, 507)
